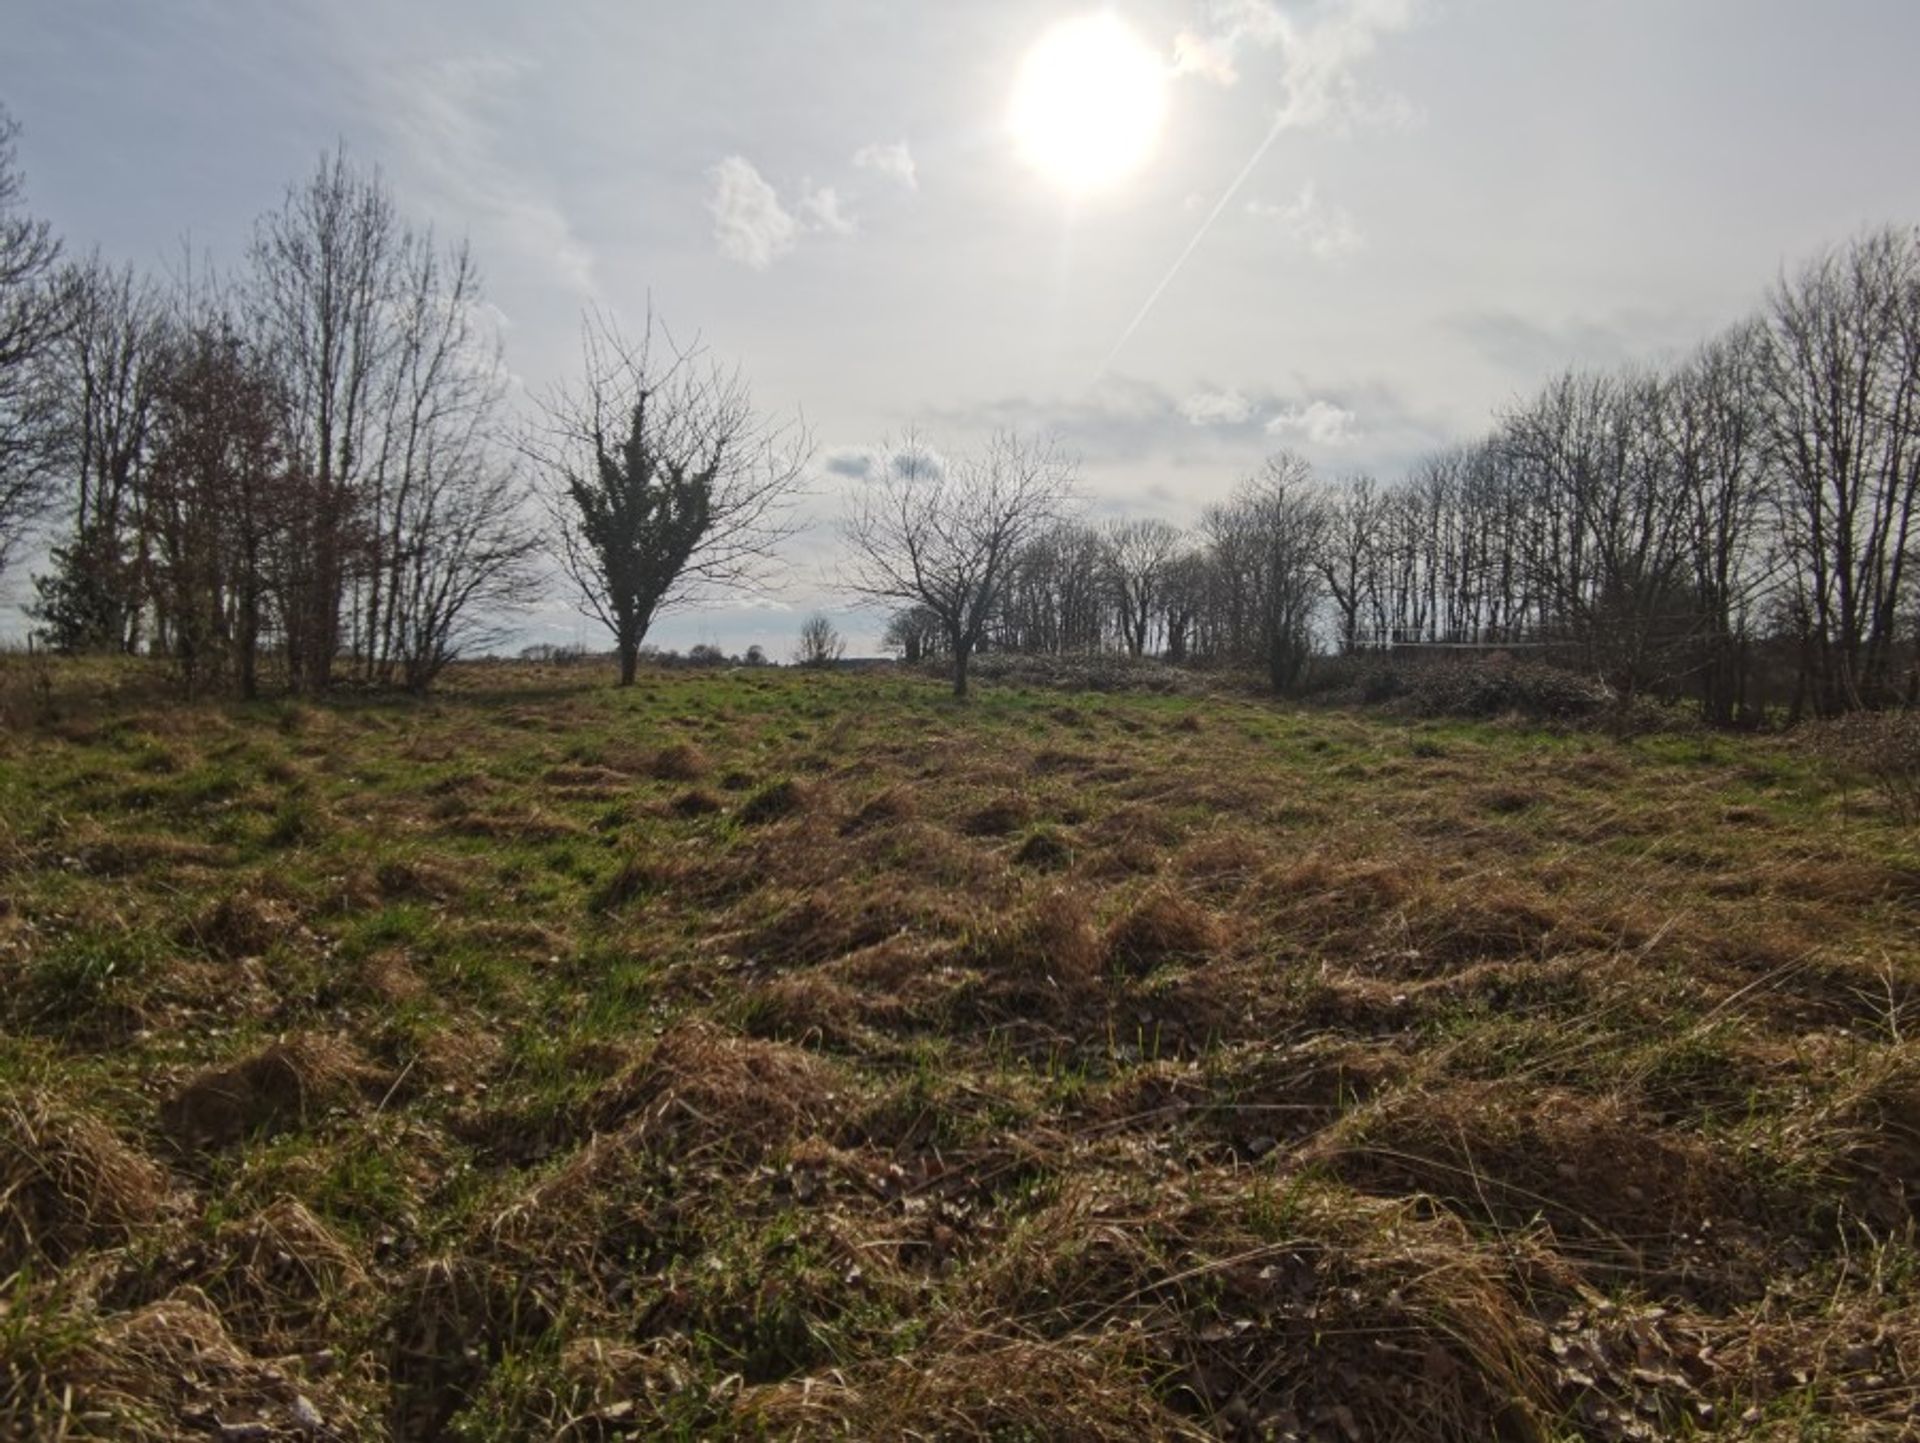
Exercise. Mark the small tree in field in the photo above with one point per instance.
(663, 481)
(820, 644)
(945, 535)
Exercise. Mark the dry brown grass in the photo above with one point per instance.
(68, 1183)
(699, 1090)
(885, 1068)
(1163, 926)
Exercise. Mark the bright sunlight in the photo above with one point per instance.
(1088, 103)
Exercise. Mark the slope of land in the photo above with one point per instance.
(772, 1055)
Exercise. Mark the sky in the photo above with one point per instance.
(1359, 228)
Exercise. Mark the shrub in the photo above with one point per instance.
(1489, 686)
(1095, 671)
(1881, 747)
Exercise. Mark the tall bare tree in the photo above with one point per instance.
(664, 482)
(1355, 516)
(1842, 375)
(1266, 543)
(103, 375)
(219, 496)
(325, 271)
(35, 308)
(946, 534)
(1716, 435)
(1138, 556)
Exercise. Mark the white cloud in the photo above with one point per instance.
(1319, 422)
(822, 207)
(1209, 57)
(1217, 408)
(894, 161)
(749, 223)
(1318, 55)
(1326, 231)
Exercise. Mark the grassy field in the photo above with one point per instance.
(760, 1054)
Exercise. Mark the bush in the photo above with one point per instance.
(1489, 686)
(1881, 747)
(1089, 671)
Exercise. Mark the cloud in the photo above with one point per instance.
(752, 225)
(749, 223)
(894, 162)
(871, 463)
(1123, 419)
(822, 208)
(1318, 54)
(1217, 408)
(1328, 232)
(1319, 423)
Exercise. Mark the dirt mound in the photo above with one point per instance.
(828, 922)
(418, 879)
(1048, 950)
(242, 924)
(285, 1084)
(679, 762)
(700, 1091)
(1044, 850)
(1265, 1306)
(895, 804)
(171, 1371)
(775, 801)
(451, 1320)
(997, 818)
(1161, 927)
(67, 1183)
(1629, 1191)
(696, 802)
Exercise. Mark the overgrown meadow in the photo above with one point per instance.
(763, 1054)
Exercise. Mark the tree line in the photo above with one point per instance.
(1676, 531)
(310, 467)
(298, 465)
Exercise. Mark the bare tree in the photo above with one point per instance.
(452, 548)
(216, 504)
(34, 311)
(1716, 434)
(325, 271)
(102, 376)
(1057, 599)
(946, 534)
(1842, 377)
(1139, 557)
(821, 645)
(663, 481)
(1355, 518)
(1266, 542)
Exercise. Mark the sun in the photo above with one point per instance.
(1088, 103)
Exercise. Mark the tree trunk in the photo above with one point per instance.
(962, 654)
(629, 661)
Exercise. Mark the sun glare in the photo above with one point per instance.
(1088, 103)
